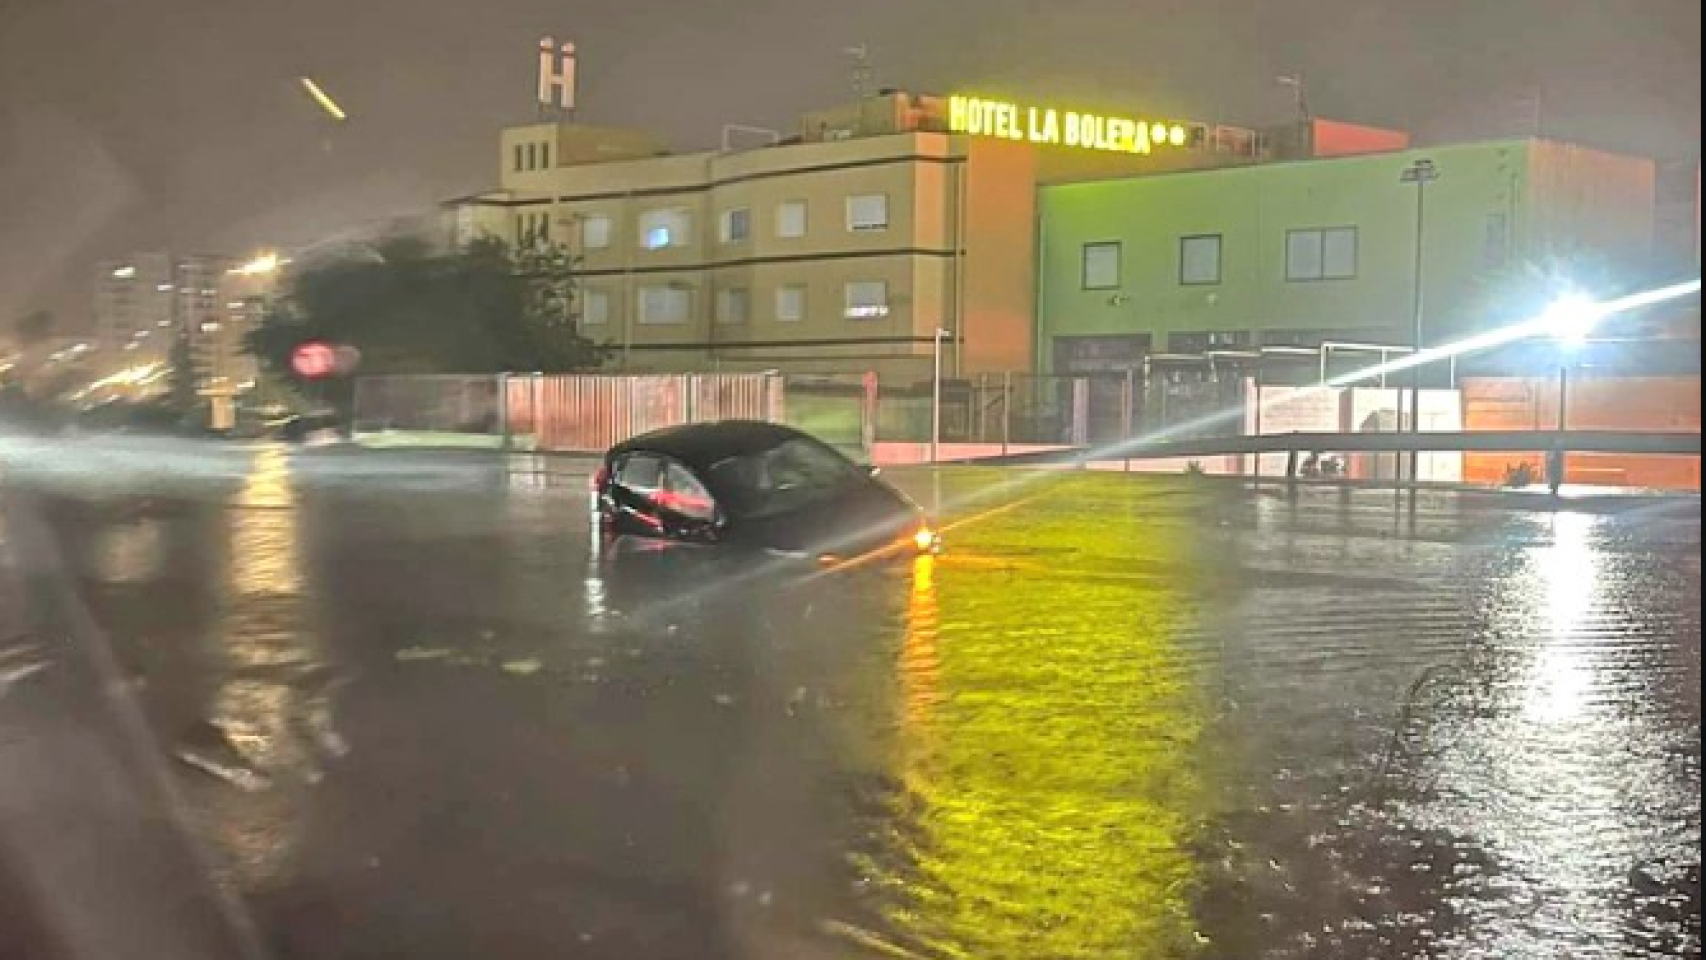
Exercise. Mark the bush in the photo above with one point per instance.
(1521, 475)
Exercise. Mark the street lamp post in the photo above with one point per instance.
(1421, 173)
(936, 396)
(1569, 320)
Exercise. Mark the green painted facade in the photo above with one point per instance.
(1495, 207)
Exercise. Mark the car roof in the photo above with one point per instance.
(703, 445)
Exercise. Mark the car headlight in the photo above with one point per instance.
(927, 540)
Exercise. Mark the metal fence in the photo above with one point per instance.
(854, 411)
(567, 413)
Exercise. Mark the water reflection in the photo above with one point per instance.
(1048, 790)
(269, 725)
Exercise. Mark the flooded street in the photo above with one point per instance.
(414, 710)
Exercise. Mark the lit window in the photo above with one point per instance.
(867, 300)
(732, 305)
(790, 304)
(595, 232)
(660, 229)
(1329, 254)
(210, 327)
(664, 304)
(1199, 261)
(791, 219)
(868, 212)
(1101, 266)
(595, 308)
(735, 226)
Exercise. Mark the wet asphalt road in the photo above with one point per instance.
(406, 708)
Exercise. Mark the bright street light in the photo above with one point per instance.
(1571, 318)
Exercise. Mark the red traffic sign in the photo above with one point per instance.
(314, 360)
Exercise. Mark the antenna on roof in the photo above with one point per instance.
(859, 72)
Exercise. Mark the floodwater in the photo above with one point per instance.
(413, 711)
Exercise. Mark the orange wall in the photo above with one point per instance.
(1000, 258)
(1333, 138)
(1657, 404)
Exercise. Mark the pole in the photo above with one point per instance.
(1417, 332)
(936, 399)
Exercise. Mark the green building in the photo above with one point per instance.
(1294, 254)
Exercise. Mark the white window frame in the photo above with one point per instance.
(666, 219)
(592, 316)
(1199, 277)
(1095, 273)
(787, 212)
(726, 225)
(648, 301)
(795, 313)
(597, 231)
(734, 305)
(860, 302)
(868, 212)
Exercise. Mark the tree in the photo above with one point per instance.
(483, 309)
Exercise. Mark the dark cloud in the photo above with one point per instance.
(131, 124)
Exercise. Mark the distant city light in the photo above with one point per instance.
(163, 287)
(265, 263)
(125, 272)
(324, 99)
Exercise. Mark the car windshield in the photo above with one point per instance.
(783, 478)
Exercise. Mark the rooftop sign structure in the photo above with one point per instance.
(1050, 126)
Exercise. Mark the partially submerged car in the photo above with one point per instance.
(757, 485)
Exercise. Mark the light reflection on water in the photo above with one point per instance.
(1047, 792)
(270, 708)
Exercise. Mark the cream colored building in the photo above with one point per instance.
(845, 250)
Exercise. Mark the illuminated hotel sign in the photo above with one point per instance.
(1065, 128)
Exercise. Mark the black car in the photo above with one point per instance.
(756, 485)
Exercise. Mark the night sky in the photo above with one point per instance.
(178, 124)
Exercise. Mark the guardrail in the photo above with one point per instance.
(1500, 441)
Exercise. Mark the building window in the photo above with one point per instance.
(1101, 266)
(544, 156)
(533, 156)
(867, 300)
(1329, 254)
(660, 229)
(664, 304)
(868, 212)
(1199, 260)
(735, 226)
(790, 304)
(733, 305)
(595, 308)
(791, 219)
(595, 232)
(520, 158)
(1205, 341)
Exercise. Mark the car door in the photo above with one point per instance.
(655, 496)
